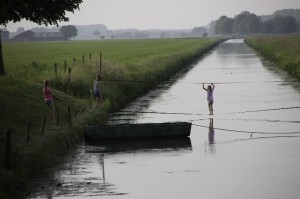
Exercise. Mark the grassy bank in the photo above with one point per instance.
(129, 69)
(283, 50)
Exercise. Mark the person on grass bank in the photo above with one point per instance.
(97, 91)
(49, 99)
(210, 97)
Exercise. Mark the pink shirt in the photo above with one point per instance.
(47, 94)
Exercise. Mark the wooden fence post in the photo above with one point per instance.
(83, 58)
(69, 113)
(74, 61)
(65, 66)
(8, 148)
(28, 132)
(55, 68)
(57, 116)
(44, 124)
(100, 64)
(90, 57)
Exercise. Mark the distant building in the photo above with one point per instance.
(4, 35)
(39, 36)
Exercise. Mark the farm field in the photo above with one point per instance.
(118, 51)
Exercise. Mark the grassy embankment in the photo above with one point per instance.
(283, 50)
(21, 102)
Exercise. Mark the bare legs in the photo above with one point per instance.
(210, 108)
(98, 100)
(51, 112)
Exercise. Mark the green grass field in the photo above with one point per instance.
(283, 50)
(151, 60)
(123, 52)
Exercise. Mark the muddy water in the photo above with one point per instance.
(251, 150)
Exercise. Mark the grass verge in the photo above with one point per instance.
(283, 50)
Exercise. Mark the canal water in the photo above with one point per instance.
(249, 148)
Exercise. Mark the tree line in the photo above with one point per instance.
(248, 23)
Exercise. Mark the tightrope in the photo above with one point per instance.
(250, 132)
(177, 113)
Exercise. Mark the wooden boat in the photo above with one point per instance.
(140, 130)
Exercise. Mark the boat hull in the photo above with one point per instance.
(134, 131)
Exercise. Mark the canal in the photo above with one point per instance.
(249, 148)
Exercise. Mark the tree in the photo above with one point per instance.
(97, 33)
(224, 25)
(280, 24)
(287, 24)
(68, 31)
(48, 12)
(20, 30)
(199, 30)
(246, 23)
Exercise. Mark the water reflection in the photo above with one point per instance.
(211, 132)
(77, 178)
(84, 175)
(140, 146)
(211, 136)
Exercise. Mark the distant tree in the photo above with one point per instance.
(224, 25)
(267, 26)
(97, 33)
(40, 12)
(280, 24)
(68, 31)
(246, 23)
(287, 24)
(199, 30)
(40, 29)
(20, 30)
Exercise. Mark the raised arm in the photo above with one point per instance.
(204, 87)
(213, 86)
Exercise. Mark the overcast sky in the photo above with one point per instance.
(163, 14)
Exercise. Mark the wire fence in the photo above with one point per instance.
(11, 141)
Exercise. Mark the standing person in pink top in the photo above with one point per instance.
(97, 91)
(49, 98)
(210, 97)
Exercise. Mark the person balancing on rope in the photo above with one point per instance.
(210, 97)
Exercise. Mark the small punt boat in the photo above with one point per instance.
(137, 131)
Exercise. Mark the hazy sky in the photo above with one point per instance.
(163, 14)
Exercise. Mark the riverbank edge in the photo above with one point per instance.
(291, 67)
(17, 182)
